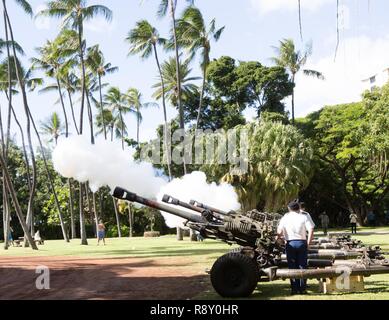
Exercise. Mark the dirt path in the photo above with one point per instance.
(120, 278)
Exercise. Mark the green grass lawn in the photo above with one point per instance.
(202, 256)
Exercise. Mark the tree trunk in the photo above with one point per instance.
(90, 208)
(84, 240)
(178, 75)
(137, 129)
(26, 109)
(166, 138)
(102, 109)
(180, 234)
(201, 97)
(122, 124)
(71, 210)
(50, 180)
(117, 217)
(293, 115)
(90, 115)
(6, 216)
(95, 212)
(18, 210)
(63, 108)
(5, 194)
(72, 110)
(130, 221)
(83, 74)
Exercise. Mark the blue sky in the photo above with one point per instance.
(252, 28)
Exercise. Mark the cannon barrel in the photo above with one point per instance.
(205, 207)
(207, 213)
(122, 194)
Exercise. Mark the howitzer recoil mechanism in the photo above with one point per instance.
(237, 273)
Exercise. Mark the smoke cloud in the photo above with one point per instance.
(194, 186)
(106, 164)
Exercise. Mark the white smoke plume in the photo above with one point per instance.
(106, 164)
(194, 186)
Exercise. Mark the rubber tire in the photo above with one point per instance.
(234, 275)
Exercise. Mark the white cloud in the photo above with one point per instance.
(266, 6)
(42, 23)
(99, 24)
(358, 58)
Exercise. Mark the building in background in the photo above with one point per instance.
(376, 80)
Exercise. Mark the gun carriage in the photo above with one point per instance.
(260, 257)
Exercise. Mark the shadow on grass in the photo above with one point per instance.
(281, 291)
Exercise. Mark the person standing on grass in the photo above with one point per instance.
(101, 232)
(325, 221)
(10, 238)
(353, 222)
(293, 228)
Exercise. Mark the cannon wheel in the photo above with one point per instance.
(234, 275)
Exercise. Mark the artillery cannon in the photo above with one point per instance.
(260, 257)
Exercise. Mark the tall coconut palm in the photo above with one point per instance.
(188, 88)
(144, 39)
(117, 103)
(164, 7)
(135, 99)
(170, 87)
(105, 125)
(51, 60)
(52, 127)
(294, 61)
(74, 13)
(97, 65)
(7, 83)
(195, 35)
(22, 79)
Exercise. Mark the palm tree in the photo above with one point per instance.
(97, 65)
(144, 39)
(294, 61)
(170, 87)
(117, 103)
(163, 9)
(23, 81)
(52, 127)
(52, 60)
(135, 100)
(193, 34)
(188, 88)
(74, 13)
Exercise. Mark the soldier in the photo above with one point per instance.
(304, 211)
(293, 228)
(325, 221)
(353, 222)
